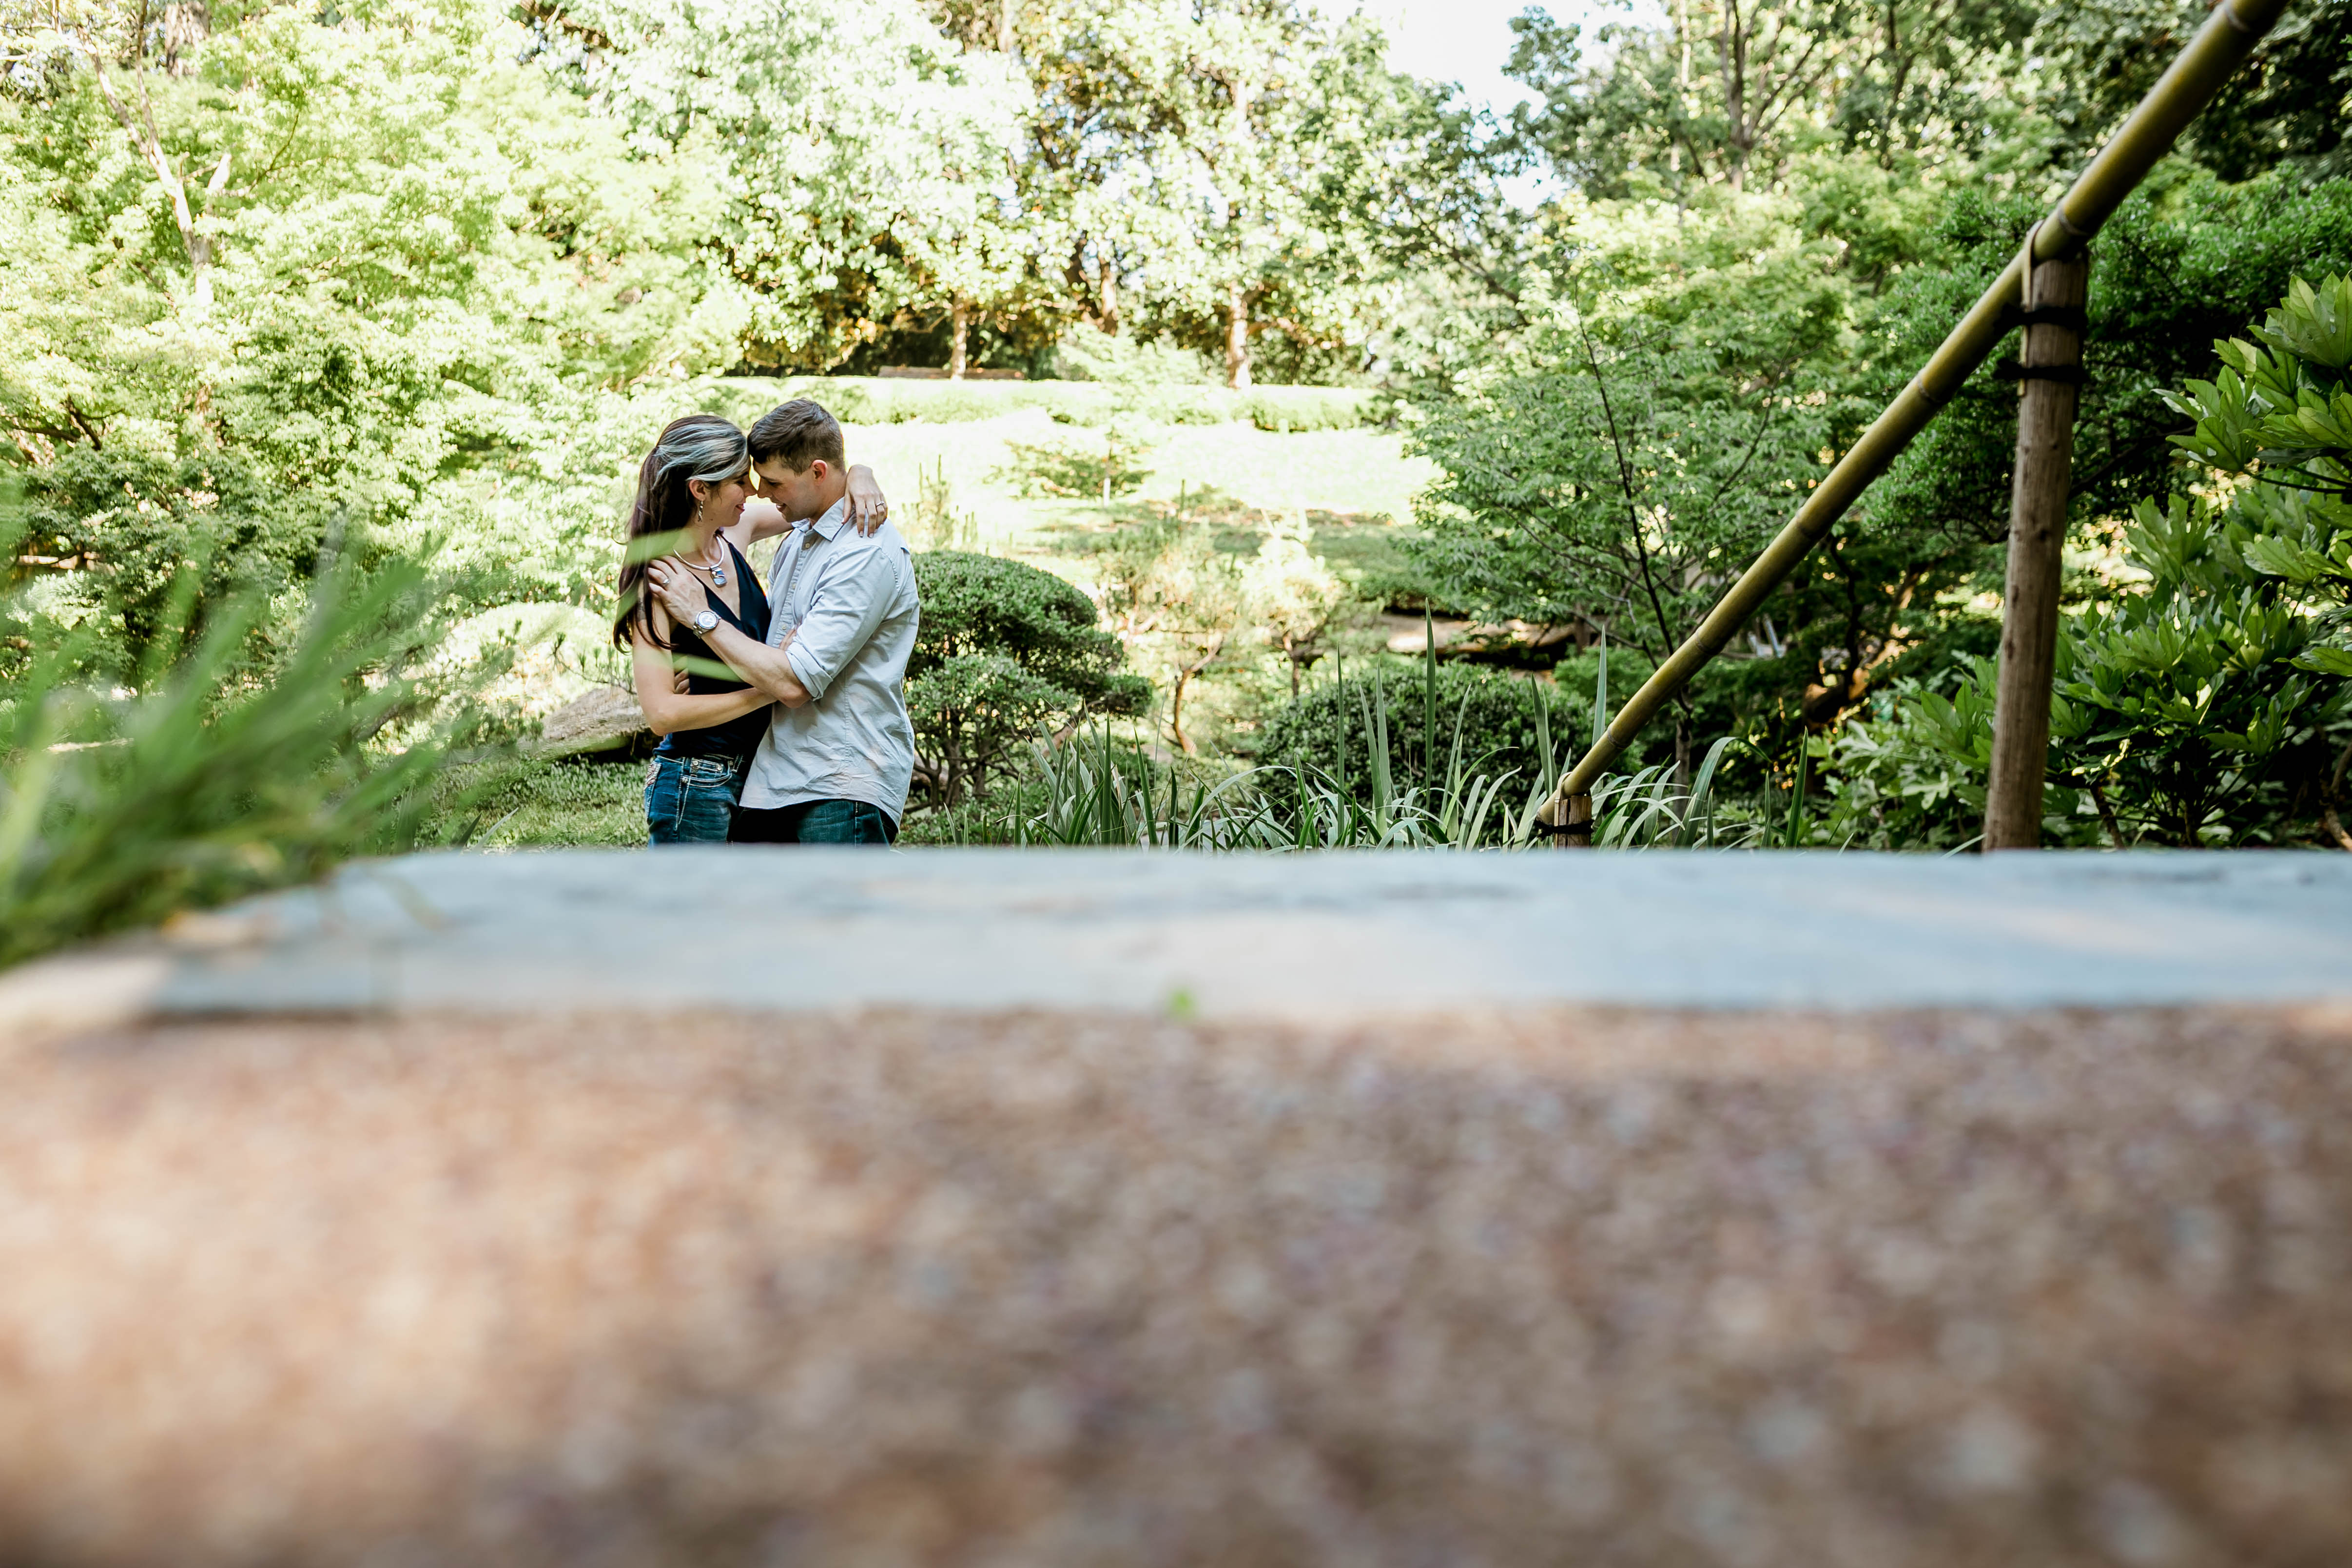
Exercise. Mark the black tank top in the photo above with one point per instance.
(738, 737)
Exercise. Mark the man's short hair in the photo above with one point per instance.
(800, 432)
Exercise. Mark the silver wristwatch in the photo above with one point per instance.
(705, 624)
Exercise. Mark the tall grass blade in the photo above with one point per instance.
(1796, 828)
(1601, 691)
(1702, 791)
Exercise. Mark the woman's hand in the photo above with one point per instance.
(679, 591)
(868, 507)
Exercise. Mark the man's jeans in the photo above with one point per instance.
(814, 822)
(689, 798)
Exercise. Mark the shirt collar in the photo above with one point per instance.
(831, 523)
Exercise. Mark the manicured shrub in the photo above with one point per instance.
(1496, 714)
(1006, 649)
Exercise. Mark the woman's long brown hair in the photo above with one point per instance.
(701, 447)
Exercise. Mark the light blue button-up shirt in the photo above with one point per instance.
(848, 604)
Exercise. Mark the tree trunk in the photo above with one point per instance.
(1006, 10)
(1237, 347)
(186, 27)
(1106, 269)
(959, 339)
(1184, 673)
(1176, 712)
(144, 137)
(2037, 540)
(1731, 48)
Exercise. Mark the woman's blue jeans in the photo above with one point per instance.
(688, 800)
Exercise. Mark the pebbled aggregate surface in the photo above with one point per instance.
(1577, 1287)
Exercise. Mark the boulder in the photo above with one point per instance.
(601, 721)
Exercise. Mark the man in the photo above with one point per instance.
(840, 751)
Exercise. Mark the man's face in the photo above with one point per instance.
(796, 494)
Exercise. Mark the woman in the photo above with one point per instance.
(696, 484)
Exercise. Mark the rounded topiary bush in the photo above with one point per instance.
(1005, 651)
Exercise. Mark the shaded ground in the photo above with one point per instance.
(1582, 1286)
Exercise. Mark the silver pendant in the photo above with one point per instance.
(718, 576)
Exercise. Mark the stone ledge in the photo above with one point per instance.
(1323, 938)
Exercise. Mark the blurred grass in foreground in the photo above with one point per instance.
(246, 751)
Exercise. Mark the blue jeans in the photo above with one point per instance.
(814, 822)
(688, 800)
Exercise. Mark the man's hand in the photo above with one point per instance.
(868, 509)
(679, 591)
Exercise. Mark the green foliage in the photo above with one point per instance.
(1060, 469)
(1006, 649)
(1918, 143)
(1912, 775)
(2188, 710)
(225, 775)
(200, 530)
(1087, 353)
(1500, 720)
(1648, 808)
(536, 803)
(1098, 791)
(1732, 94)
(878, 400)
(2176, 268)
(1664, 429)
(2206, 698)
(441, 271)
(2285, 107)
(2285, 406)
(2191, 701)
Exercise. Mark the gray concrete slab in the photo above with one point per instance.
(1323, 936)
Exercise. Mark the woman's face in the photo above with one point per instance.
(722, 504)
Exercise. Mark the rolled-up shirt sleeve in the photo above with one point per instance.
(849, 603)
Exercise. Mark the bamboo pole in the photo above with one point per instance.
(2222, 45)
(2055, 292)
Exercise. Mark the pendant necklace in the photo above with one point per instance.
(718, 571)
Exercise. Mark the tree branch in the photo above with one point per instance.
(1625, 483)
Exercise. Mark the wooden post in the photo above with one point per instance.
(2053, 372)
(1567, 823)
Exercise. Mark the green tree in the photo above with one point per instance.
(438, 282)
(1297, 598)
(857, 146)
(1659, 436)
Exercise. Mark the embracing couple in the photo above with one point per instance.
(782, 712)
